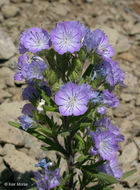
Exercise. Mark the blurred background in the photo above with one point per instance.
(120, 19)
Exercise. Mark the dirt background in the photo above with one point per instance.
(120, 19)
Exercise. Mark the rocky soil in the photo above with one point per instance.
(121, 21)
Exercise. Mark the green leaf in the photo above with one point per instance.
(49, 122)
(81, 158)
(104, 177)
(65, 179)
(50, 108)
(92, 167)
(56, 146)
(78, 165)
(127, 174)
(45, 97)
(82, 55)
(44, 130)
(14, 124)
(65, 134)
(39, 136)
(80, 140)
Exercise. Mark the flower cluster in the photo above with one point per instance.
(59, 82)
(106, 140)
(50, 179)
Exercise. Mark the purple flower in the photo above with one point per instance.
(106, 98)
(105, 122)
(119, 137)
(22, 49)
(101, 110)
(44, 86)
(98, 40)
(34, 40)
(26, 122)
(87, 88)
(109, 99)
(111, 168)
(30, 93)
(114, 74)
(40, 181)
(35, 70)
(29, 71)
(67, 36)
(111, 71)
(71, 100)
(28, 109)
(22, 67)
(106, 145)
(93, 151)
(88, 40)
(52, 177)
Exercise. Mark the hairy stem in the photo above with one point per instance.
(70, 155)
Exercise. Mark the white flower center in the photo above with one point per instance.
(101, 49)
(39, 43)
(72, 102)
(102, 144)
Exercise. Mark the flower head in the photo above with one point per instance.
(35, 70)
(34, 40)
(22, 68)
(111, 168)
(98, 40)
(40, 181)
(118, 136)
(87, 88)
(67, 36)
(71, 100)
(30, 70)
(52, 177)
(106, 123)
(109, 99)
(103, 122)
(26, 122)
(44, 86)
(114, 74)
(30, 93)
(106, 145)
(28, 109)
(111, 71)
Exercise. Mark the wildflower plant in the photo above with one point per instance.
(70, 73)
